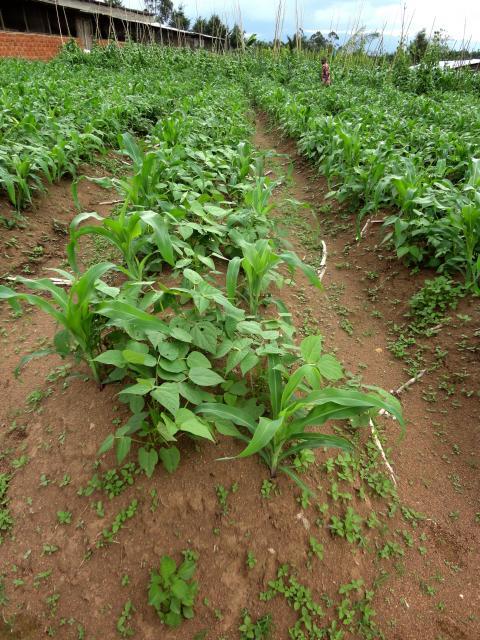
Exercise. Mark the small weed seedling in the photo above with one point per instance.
(316, 548)
(268, 487)
(172, 591)
(6, 520)
(251, 560)
(123, 621)
(259, 630)
(64, 517)
(109, 533)
(222, 497)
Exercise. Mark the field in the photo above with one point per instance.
(239, 320)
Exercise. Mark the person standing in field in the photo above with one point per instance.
(326, 79)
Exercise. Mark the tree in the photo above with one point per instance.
(118, 4)
(161, 9)
(237, 38)
(418, 46)
(317, 41)
(215, 27)
(200, 25)
(179, 20)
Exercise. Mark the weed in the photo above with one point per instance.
(118, 523)
(6, 520)
(112, 482)
(268, 487)
(172, 591)
(259, 630)
(251, 560)
(64, 517)
(222, 497)
(49, 549)
(316, 548)
(20, 462)
(350, 527)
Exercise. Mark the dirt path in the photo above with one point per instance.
(56, 581)
(437, 463)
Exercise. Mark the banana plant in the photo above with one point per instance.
(259, 266)
(299, 400)
(74, 310)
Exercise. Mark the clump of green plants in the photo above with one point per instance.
(64, 517)
(299, 598)
(282, 435)
(348, 527)
(118, 523)
(430, 305)
(251, 560)
(112, 482)
(172, 591)
(123, 623)
(259, 630)
(6, 520)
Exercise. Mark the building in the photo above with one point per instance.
(473, 64)
(37, 29)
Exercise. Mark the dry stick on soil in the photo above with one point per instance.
(382, 412)
(57, 281)
(110, 202)
(367, 224)
(323, 263)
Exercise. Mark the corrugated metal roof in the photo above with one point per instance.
(120, 13)
(455, 64)
(93, 6)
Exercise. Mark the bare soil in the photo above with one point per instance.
(430, 592)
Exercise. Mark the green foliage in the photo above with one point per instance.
(73, 311)
(123, 628)
(350, 527)
(251, 560)
(109, 533)
(282, 433)
(259, 265)
(191, 352)
(64, 517)
(112, 482)
(172, 591)
(429, 306)
(383, 147)
(316, 548)
(222, 497)
(259, 630)
(6, 520)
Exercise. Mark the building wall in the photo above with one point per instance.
(32, 46)
(35, 46)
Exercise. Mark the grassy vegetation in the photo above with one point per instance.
(185, 315)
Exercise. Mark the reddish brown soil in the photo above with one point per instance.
(40, 236)
(62, 434)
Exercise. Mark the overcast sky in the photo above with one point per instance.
(459, 18)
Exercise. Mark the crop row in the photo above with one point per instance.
(384, 148)
(185, 322)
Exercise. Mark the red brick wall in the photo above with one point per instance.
(33, 46)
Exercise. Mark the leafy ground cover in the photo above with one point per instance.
(176, 342)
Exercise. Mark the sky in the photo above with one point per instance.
(459, 18)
